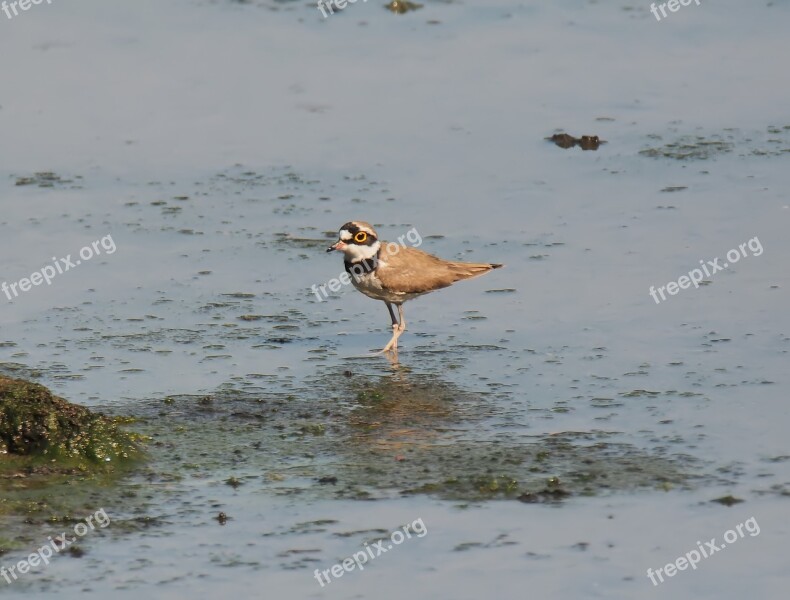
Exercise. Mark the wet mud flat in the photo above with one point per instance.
(383, 436)
(358, 433)
(373, 432)
(554, 427)
(261, 414)
(275, 426)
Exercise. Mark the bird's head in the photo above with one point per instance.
(357, 240)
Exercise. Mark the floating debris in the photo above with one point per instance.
(727, 500)
(585, 142)
(402, 6)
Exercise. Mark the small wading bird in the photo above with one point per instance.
(394, 273)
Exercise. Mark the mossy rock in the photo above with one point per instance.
(40, 430)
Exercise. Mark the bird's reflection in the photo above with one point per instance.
(399, 409)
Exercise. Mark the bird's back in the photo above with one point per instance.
(413, 271)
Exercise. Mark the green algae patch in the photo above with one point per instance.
(774, 141)
(58, 462)
(691, 147)
(44, 434)
(367, 434)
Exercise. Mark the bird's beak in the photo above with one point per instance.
(338, 245)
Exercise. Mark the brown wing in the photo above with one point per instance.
(413, 271)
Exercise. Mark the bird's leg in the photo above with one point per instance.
(392, 316)
(397, 328)
(393, 343)
(402, 326)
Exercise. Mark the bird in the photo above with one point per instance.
(395, 273)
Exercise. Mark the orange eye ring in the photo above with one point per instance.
(360, 237)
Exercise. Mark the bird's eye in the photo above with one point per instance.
(360, 237)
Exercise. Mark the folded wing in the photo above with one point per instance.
(413, 271)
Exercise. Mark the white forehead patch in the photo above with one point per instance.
(345, 235)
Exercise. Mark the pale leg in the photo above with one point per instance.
(402, 326)
(397, 328)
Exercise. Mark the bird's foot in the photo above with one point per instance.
(389, 348)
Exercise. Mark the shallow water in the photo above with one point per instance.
(221, 144)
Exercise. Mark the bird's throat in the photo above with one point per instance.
(361, 267)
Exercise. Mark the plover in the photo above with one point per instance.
(395, 273)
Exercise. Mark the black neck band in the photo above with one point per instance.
(367, 265)
(363, 266)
